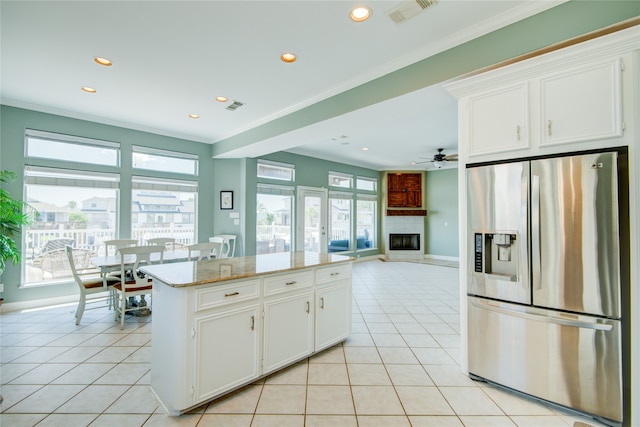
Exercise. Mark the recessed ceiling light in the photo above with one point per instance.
(360, 13)
(194, 116)
(288, 57)
(88, 89)
(365, 148)
(221, 98)
(103, 61)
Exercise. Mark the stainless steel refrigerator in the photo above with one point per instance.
(548, 279)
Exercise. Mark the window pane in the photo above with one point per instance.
(366, 184)
(275, 171)
(366, 228)
(340, 180)
(164, 161)
(339, 225)
(71, 212)
(163, 209)
(273, 219)
(71, 151)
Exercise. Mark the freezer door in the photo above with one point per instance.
(569, 359)
(575, 234)
(497, 214)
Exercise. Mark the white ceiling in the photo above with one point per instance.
(172, 58)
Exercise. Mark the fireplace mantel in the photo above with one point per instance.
(406, 212)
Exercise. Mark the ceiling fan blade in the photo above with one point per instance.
(451, 157)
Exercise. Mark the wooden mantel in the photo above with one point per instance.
(406, 212)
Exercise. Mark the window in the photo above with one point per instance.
(366, 184)
(163, 208)
(366, 216)
(273, 218)
(75, 208)
(277, 171)
(340, 221)
(51, 146)
(337, 179)
(164, 161)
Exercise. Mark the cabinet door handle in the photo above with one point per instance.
(231, 294)
(253, 323)
(290, 283)
(308, 306)
(549, 127)
(518, 132)
(322, 303)
(335, 274)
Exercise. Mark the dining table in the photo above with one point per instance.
(110, 263)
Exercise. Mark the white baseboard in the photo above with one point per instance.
(370, 257)
(37, 303)
(442, 257)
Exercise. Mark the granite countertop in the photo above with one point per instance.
(191, 273)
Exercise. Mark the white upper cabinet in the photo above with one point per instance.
(579, 97)
(499, 120)
(582, 104)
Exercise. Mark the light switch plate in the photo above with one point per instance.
(234, 214)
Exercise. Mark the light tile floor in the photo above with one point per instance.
(398, 368)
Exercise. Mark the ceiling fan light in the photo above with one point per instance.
(438, 164)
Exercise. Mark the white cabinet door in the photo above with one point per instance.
(499, 120)
(226, 351)
(333, 315)
(582, 104)
(288, 330)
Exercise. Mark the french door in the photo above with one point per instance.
(312, 219)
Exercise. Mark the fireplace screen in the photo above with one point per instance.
(404, 242)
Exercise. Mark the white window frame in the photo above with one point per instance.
(72, 140)
(137, 149)
(276, 165)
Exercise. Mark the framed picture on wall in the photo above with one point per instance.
(226, 200)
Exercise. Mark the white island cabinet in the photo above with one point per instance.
(222, 324)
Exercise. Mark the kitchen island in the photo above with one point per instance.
(221, 324)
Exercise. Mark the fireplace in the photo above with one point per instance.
(404, 242)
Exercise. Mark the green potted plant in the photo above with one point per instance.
(14, 214)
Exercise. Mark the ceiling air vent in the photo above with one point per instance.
(234, 106)
(408, 9)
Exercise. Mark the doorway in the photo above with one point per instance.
(312, 219)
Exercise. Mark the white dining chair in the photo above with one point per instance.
(133, 282)
(202, 250)
(116, 244)
(167, 242)
(228, 245)
(88, 286)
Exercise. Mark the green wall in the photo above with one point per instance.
(442, 213)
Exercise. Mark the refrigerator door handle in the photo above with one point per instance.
(541, 318)
(535, 232)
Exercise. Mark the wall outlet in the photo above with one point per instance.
(1, 287)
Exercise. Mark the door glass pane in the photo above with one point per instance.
(273, 219)
(312, 223)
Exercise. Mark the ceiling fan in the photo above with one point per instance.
(440, 158)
